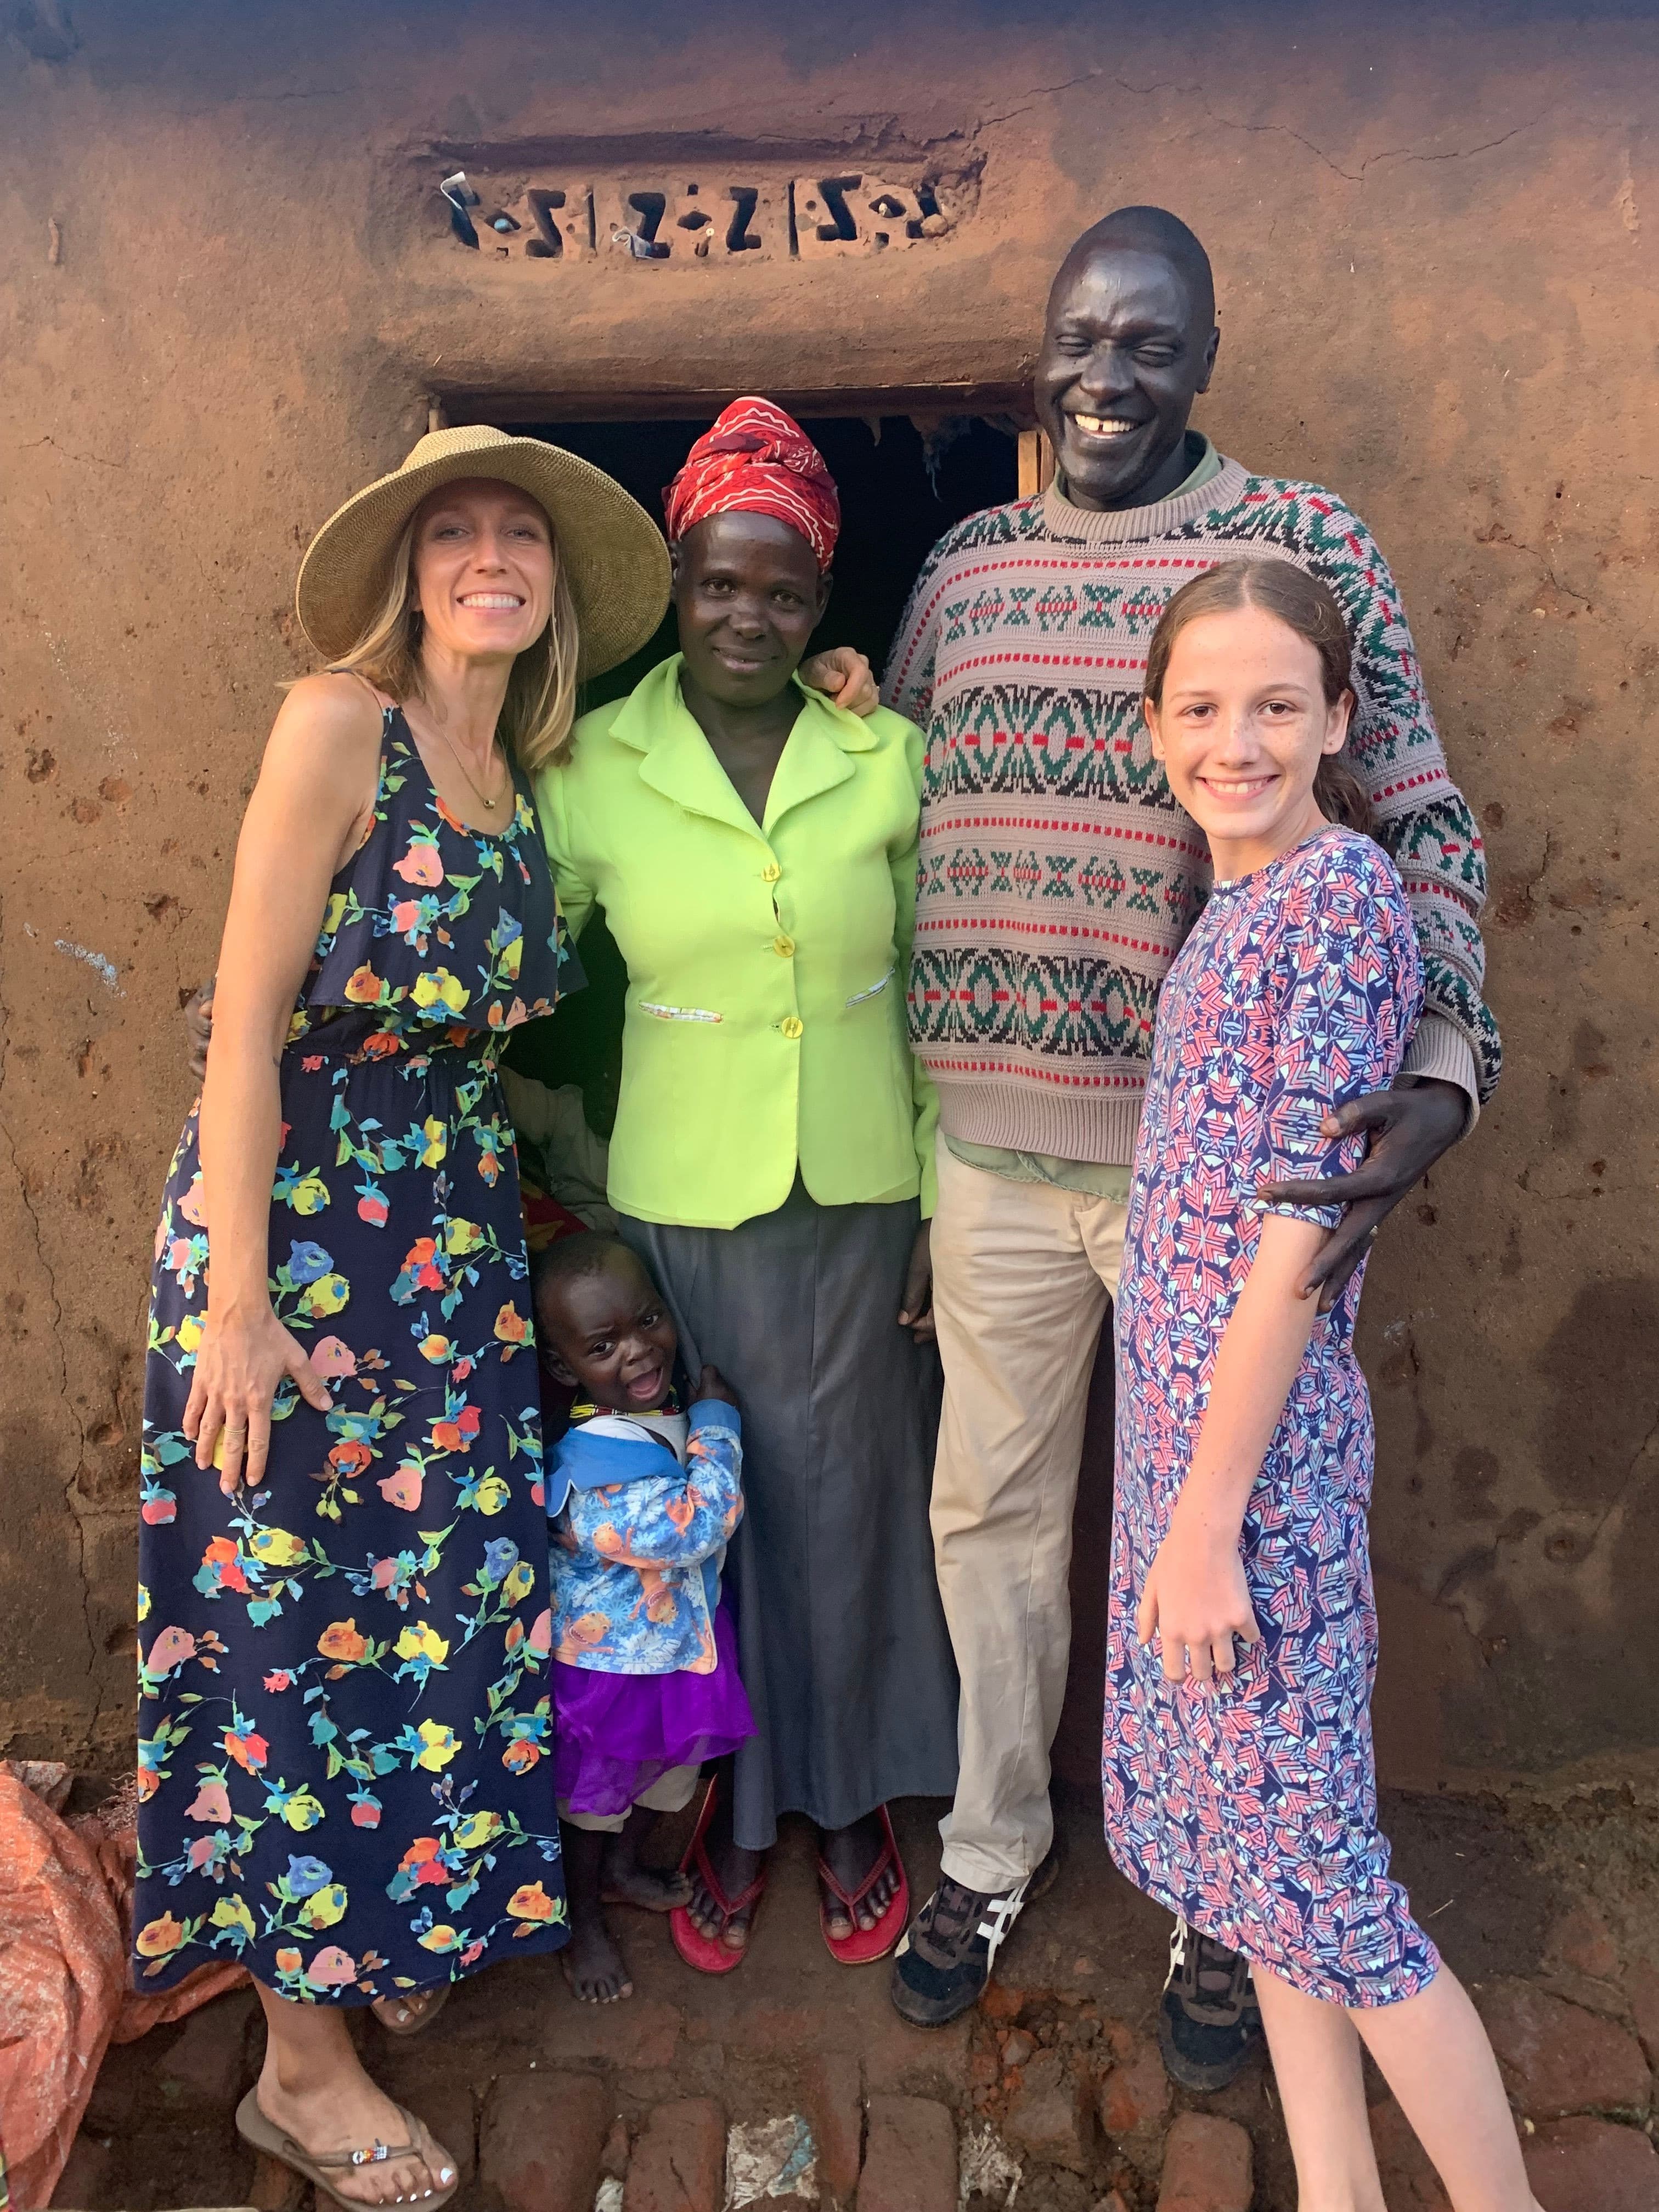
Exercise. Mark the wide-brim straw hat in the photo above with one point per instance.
(612, 554)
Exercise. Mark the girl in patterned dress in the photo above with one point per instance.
(1240, 1789)
(344, 1733)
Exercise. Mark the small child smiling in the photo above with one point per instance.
(643, 1497)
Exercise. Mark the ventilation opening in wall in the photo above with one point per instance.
(904, 479)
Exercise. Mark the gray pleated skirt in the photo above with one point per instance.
(845, 1654)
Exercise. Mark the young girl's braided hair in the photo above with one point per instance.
(1303, 603)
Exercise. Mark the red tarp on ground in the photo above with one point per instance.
(66, 1913)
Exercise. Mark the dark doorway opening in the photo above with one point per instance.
(901, 487)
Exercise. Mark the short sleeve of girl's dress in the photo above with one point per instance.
(1349, 988)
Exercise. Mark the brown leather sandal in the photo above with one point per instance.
(315, 2167)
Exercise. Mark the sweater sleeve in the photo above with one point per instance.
(908, 685)
(670, 1524)
(1420, 817)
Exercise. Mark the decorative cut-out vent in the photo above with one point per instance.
(754, 218)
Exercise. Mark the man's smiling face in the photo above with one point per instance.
(1127, 349)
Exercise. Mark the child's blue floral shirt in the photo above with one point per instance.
(638, 1542)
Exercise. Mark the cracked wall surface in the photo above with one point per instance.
(227, 287)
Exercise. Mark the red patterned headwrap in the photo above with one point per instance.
(758, 459)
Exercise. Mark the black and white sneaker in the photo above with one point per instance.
(944, 1961)
(1209, 2021)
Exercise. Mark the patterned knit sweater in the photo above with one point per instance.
(1057, 876)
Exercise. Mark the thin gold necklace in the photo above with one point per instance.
(482, 797)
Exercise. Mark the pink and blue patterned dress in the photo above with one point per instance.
(345, 1736)
(1250, 1808)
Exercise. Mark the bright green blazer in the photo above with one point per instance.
(767, 961)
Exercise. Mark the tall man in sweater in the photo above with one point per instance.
(1059, 878)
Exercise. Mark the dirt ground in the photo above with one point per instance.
(1557, 1896)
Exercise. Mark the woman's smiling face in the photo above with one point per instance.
(483, 568)
(1241, 728)
(748, 596)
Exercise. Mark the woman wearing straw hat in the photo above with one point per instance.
(343, 1719)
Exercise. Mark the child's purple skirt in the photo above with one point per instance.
(617, 1734)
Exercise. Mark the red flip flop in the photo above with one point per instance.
(865, 1945)
(711, 1954)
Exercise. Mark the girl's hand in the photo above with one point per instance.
(1196, 1600)
(916, 1309)
(239, 1364)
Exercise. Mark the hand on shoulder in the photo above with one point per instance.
(845, 676)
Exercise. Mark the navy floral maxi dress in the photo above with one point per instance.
(344, 1730)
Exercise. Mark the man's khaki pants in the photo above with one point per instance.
(1022, 1273)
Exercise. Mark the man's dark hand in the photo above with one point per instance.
(845, 676)
(198, 1027)
(916, 1309)
(1410, 1128)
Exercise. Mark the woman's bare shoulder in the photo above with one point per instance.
(329, 726)
(334, 704)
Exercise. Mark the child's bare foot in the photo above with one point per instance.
(624, 1879)
(647, 1889)
(593, 1966)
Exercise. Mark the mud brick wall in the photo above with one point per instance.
(229, 281)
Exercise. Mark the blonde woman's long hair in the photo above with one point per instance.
(540, 704)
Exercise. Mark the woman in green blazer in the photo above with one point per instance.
(765, 1029)
(754, 848)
